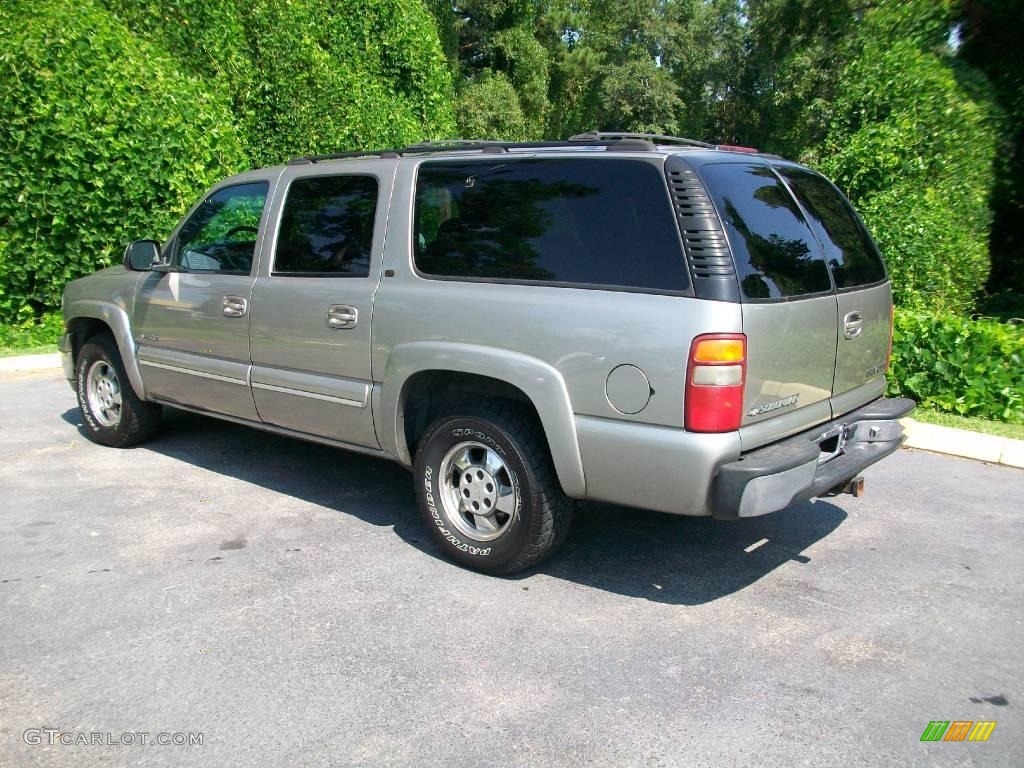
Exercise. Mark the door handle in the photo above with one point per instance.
(342, 316)
(853, 324)
(235, 306)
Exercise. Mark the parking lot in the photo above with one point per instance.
(282, 599)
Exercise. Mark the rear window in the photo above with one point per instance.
(597, 222)
(849, 250)
(774, 249)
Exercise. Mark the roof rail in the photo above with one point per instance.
(655, 138)
(632, 142)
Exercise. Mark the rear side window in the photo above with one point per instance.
(849, 250)
(775, 252)
(327, 227)
(580, 221)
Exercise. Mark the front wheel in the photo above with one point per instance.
(487, 489)
(114, 415)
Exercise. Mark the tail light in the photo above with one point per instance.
(715, 375)
(892, 323)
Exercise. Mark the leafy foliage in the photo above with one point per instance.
(32, 333)
(958, 365)
(310, 76)
(115, 117)
(489, 108)
(104, 140)
(912, 139)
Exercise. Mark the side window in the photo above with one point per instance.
(327, 227)
(220, 235)
(776, 254)
(849, 249)
(597, 222)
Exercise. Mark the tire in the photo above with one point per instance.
(113, 413)
(492, 455)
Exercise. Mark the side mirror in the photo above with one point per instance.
(141, 255)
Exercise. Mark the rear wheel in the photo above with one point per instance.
(487, 489)
(113, 413)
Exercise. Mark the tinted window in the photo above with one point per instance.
(849, 250)
(327, 226)
(220, 235)
(583, 221)
(775, 252)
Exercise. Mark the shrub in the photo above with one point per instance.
(958, 365)
(310, 76)
(104, 140)
(32, 333)
(912, 140)
(489, 109)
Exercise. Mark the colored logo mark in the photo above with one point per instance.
(958, 730)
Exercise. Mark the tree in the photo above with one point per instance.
(992, 32)
(912, 136)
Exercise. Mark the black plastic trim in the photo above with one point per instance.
(709, 258)
(731, 481)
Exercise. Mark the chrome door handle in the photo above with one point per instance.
(235, 306)
(342, 316)
(853, 324)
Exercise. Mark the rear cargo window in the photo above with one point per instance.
(849, 250)
(775, 252)
(596, 222)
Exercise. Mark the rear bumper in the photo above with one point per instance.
(771, 478)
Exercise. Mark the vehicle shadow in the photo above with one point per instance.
(631, 552)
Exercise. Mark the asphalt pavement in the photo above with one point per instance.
(280, 602)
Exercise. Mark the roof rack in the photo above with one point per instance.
(655, 138)
(625, 143)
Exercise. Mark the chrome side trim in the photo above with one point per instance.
(314, 395)
(189, 371)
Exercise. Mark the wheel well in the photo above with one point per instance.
(428, 395)
(81, 329)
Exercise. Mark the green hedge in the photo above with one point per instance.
(310, 76)
(103, 140)
(958, 365)
(912, 139)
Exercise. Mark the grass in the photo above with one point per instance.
(972, 423)
(42, 349)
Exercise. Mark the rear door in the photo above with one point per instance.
(312, 308)
(864, 299)
(788, 302)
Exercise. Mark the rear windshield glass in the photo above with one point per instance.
(775, 252)
(580, 221)
(849, 250)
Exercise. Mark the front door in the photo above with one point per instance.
(192, 323)
(311, 312)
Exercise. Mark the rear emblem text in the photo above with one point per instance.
(773, 406)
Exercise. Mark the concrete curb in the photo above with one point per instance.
(925, 437)
(960, 442)
(30, 362)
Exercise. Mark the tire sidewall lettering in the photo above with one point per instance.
(439, 521)
(83, 401)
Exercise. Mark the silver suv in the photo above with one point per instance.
(636, 319)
